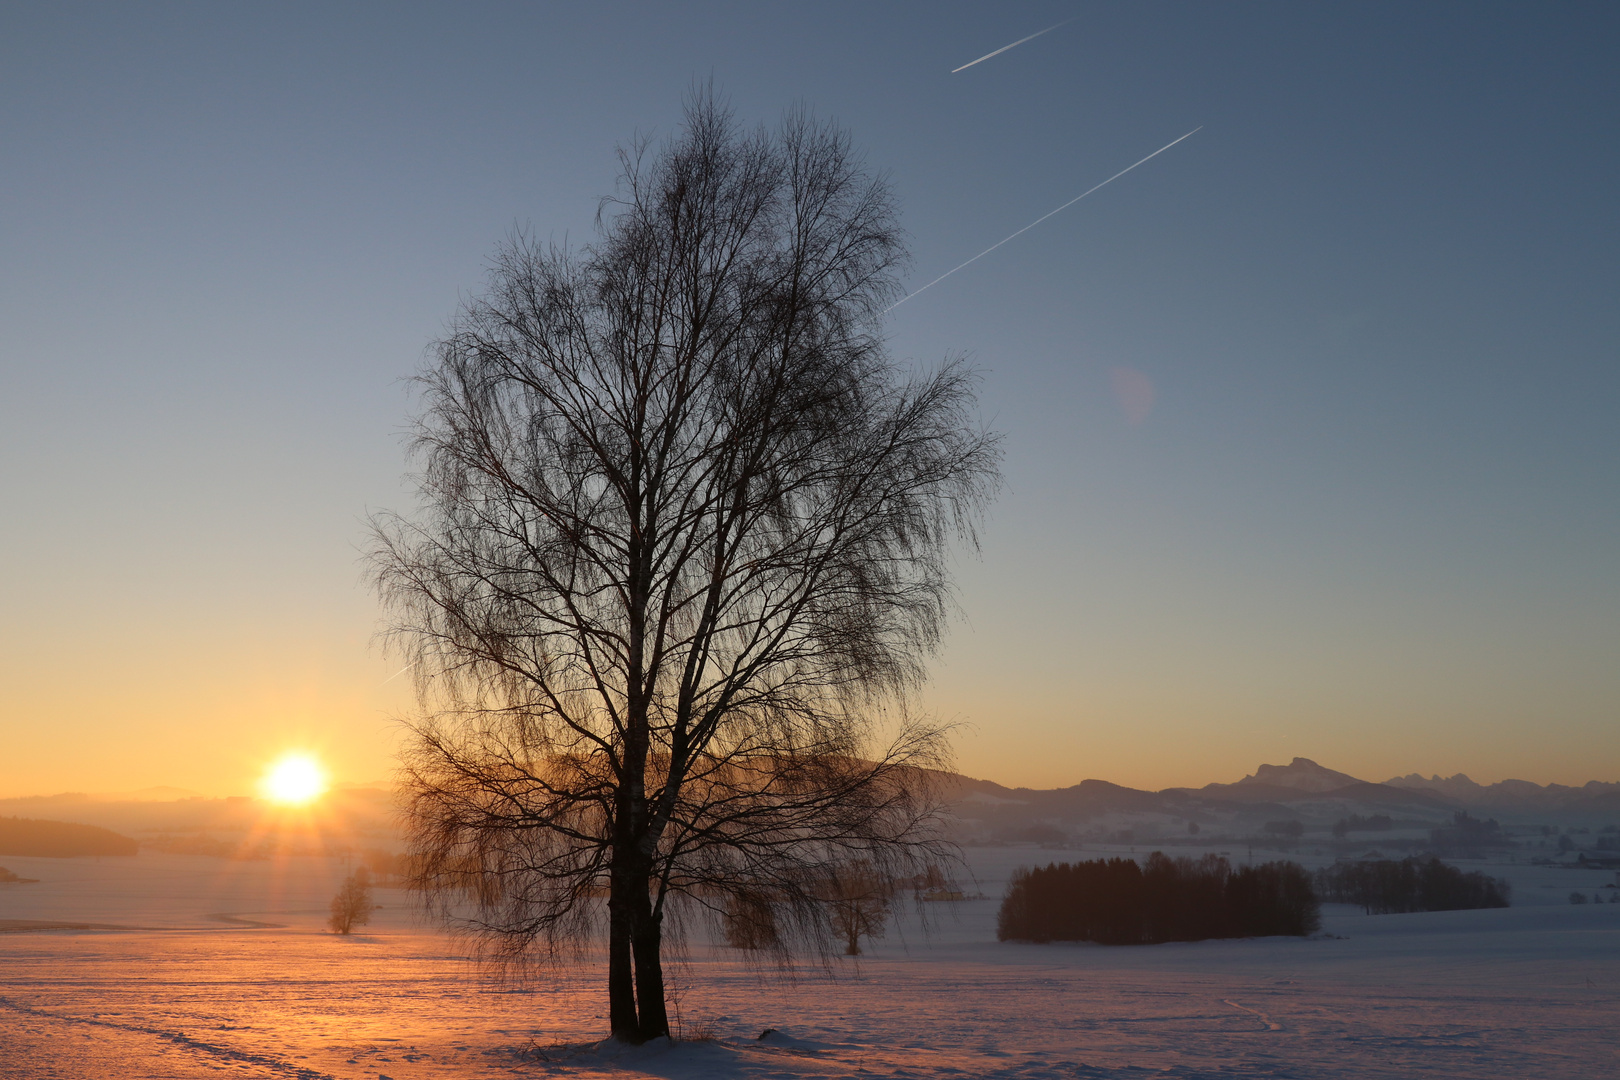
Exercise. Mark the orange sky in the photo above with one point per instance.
(1310, 421)
(246, 694)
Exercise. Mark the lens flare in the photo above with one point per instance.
(1135, 393)
(295, 779)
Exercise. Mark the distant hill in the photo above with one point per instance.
(1357, 792)
(151, 794)
(1303, 778)
(1301, 774)
(1594, 797)
(59, 839)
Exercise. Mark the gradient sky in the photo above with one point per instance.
(1313, 422)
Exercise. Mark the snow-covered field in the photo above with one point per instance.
(194, 985)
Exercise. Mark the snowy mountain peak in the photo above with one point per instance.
(1301, 774)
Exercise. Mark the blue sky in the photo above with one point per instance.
(1358, 500)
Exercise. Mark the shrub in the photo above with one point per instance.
(1385, 886)
(1117, 902)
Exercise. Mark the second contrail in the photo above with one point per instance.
(1014, 45)
(1040, 219)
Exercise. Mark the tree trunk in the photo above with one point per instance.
(622, 1020)
(647, 944)
(635, 965)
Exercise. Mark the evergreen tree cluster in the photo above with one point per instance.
(1385, 886)
(1119, 902)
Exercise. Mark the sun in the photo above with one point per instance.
(295, 779)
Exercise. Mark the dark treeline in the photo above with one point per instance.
(1384, 886)
(1118, 902)
(60, 839)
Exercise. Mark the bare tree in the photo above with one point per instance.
(352, 905)
(858, 898)
(681, 556)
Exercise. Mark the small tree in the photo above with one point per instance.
(858, 898)
(352, 905)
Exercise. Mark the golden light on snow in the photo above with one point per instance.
(296, 778)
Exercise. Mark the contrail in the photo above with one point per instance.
(398, 673)
(1014, 45)
(1038, 220)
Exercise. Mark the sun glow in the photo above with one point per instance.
(295, 779)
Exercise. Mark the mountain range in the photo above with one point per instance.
(1302, 791)
(1515, 794)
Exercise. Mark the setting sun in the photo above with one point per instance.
(296, 778)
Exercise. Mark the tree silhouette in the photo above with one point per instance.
(681, 557)
(1120, 902)
(352, 905)
(1385, 886)
(858, 896)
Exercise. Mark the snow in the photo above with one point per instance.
(1525, 992)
